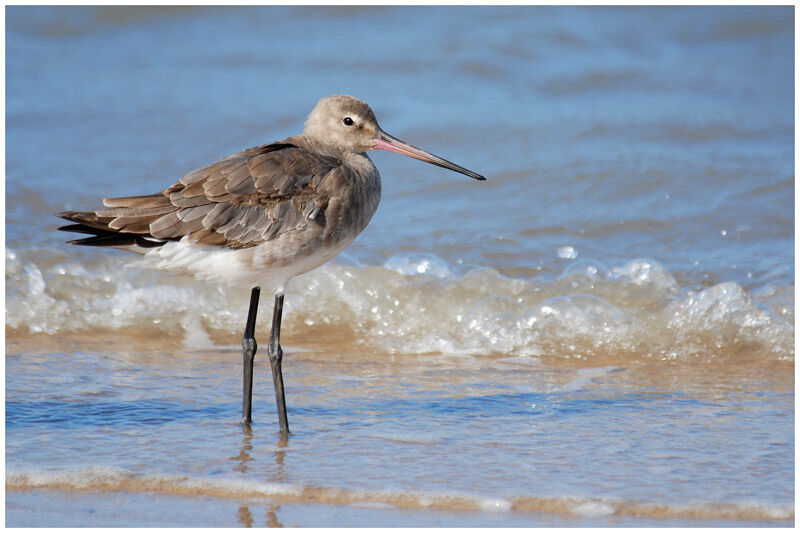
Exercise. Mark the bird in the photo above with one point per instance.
(261, 216)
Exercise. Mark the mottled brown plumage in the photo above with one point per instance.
(243, 200)
(262, 215)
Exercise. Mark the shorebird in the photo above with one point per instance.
(260, 216)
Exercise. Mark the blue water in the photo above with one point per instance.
(602, 333)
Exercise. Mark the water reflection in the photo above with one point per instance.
(272, 516)
(243, 463)
(280, 457)
(245, 517)
(244, 450)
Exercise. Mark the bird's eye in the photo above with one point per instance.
(348, 121)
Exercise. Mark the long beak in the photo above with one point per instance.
(384, 141)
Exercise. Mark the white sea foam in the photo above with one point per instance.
(414, 264)
(593, 509)
(418, 303)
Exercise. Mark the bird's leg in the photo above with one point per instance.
(249, 347)
(275, 355)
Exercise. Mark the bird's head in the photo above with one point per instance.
(349, 124)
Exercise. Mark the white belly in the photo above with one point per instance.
(247, 267)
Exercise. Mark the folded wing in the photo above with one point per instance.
(241, 201)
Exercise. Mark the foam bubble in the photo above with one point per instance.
(416, 264)
(594, 509)
(567, 252)
(495, 505)
(646, 272)
(586, 270)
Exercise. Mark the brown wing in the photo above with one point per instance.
(240, 201)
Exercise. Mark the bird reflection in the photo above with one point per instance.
(272, 516)
(245, 516)
(243, 465)
(244, 450)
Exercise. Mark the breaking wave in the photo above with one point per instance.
(418, 303)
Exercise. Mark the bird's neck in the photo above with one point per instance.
(359, 162)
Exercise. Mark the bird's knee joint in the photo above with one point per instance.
(275, 352)
(249, 346)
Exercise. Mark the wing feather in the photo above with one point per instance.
(242, 200)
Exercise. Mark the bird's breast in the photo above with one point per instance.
(350, 207)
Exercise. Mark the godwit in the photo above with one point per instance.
(260, 216)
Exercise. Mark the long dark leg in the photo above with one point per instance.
(275, 355)
(249, 347)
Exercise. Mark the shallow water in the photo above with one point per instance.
(486, 436)
(602, 333)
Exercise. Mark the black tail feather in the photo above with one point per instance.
(79, 228)
(109, 238)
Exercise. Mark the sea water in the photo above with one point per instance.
(602, 333)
